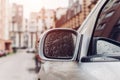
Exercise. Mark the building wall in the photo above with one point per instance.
(38, 22)
(2, 44)
(60, 12)
(49, 18)
(16, 28)
(2, 18)
(32, 29)
(76, 14)
(4, 24)
(46, 18)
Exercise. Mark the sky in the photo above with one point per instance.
(36, 5)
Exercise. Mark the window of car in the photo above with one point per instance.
(116, 2)
(101, 26)
(106, 37)
(109, 14)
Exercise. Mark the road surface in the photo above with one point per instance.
(19, 66)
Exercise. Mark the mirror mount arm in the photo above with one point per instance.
(80, 45)
(86, 59)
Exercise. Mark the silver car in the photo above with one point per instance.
(90, 53)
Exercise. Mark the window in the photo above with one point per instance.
(100, 27)
(110, 26)
(117, 2)
(109, 14)
(118, 21)
(108, 6)
(107, 32)
(119, 26)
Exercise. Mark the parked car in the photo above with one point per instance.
(31, 50)
(38, 60)
(2, 53)
(37, 63)
(90, 53)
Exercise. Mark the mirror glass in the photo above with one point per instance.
(104, 47)
(60, 44)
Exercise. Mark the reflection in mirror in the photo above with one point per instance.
(60, 44)
(104, 47)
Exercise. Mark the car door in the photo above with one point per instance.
(102, 61)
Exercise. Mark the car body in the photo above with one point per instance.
(2, 53)
(97, 48)
(30, 50)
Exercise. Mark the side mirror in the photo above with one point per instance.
(59, 44)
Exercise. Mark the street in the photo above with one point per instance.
(18, 66)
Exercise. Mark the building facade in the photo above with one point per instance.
(32, 29)
(76, 13)
(60, 12)
(38, 22)
(16, 29)
(5, 43)
(46, 18)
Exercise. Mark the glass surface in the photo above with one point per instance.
(108, 28)
(60, 44)
(104, 47)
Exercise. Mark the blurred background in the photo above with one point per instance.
(21, 24)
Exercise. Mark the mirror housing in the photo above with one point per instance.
(55, 41)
